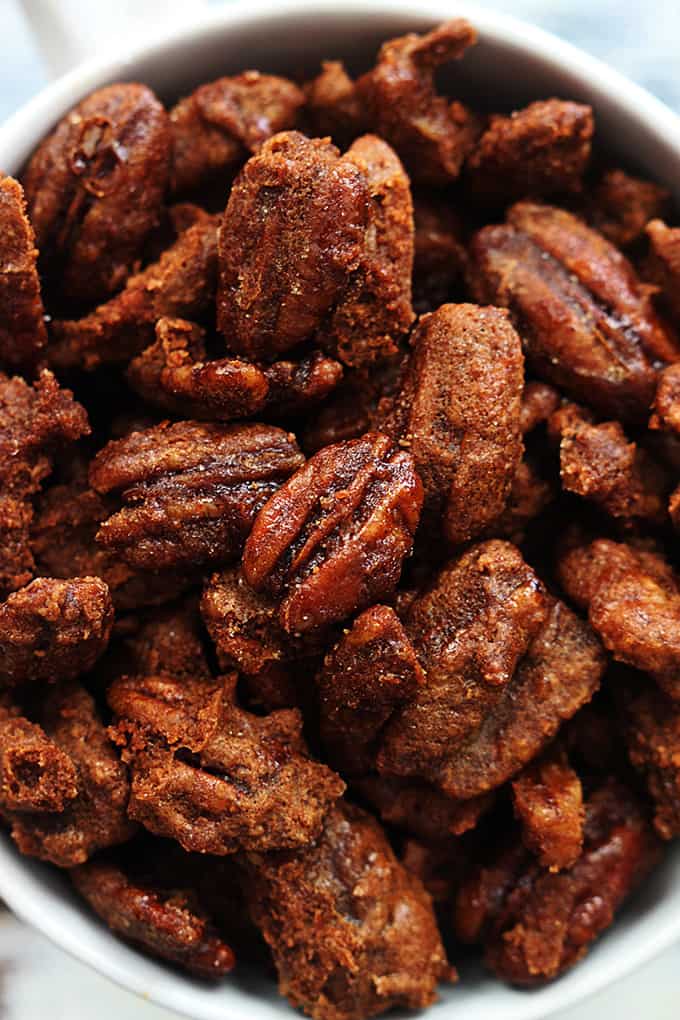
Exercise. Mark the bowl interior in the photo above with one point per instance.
(512, 64)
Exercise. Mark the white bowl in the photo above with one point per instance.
(513, 63)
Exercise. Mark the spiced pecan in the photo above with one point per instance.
(586, 322)
(95, 817)
(439, 254)
(293, 231)
(662, 266)
(352, 932)
(419, 808)
(333, 106)
(667, 400)
(548, 800)
(35, 422)
(222, 122)
(431, 134)
(181, 283)
(35, 774)
(458, 413)
(620, 206)
(169, 923)
(22, 326)
(369, 674)
(212, 776)
(334, 537)
(190, 491)
(296, 387)
(94, 189)
(54, 630)
(539, 150)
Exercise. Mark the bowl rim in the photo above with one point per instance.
(18, 136)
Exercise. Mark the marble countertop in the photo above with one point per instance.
(642, 40)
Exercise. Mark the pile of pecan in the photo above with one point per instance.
(339, 462)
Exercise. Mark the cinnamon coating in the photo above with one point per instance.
(54, 630)
(534, 923)
(22, 326)
(352, 932)
(213, 777)
(181, 283)
(93, 819)
(537, 151)
(35, 423)
(586, 321)
(35, 774)
(431, 134)
(332, 540)
(458, 413)
(222, 122)
(94, 189)
(191, 492)
(168, 923)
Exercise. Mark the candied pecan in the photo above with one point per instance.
(67, 518)
(352, 932)
(620, 206)
(586, 322)
(375, 308)
(168, 641)
(667, 400)
(439, 866)
(96, 817)
(292, 233)
(296, 387)
(213, 777)
(530, 494)
(181, 283)
(419, 808)
(539, 401)
(22, 326)
(220, 123)
(470, 632)
(166, 922)
(539, 150)
(333, 538)
(248, 638)
(662, 266)
(95, 187)
(34, 423)
(174, 375)
(598, 463)
(633, 602)
(431, 134)
(191, 491)
(439, 254)
(548, 800)
(35, 774)
(559, 673)
(54, 630)
(333, 106)
(371, 672)
(458, 412)
(652, 733)
(534, 923)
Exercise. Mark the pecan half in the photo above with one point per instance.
(431, 134)
(586, 322)
(22, 326)
(213, 777)
(222, 122)
(652, 734)
(94, 189)
(620, 206)
(333, 106)
(191, 491)
(662, 266)
(334, 537)
(548, 800)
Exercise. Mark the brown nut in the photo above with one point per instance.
(293, 231)
(333, 539)
(191, 491)
(586, 322)
(22, 325)
(94, 189)
(213, 777)
(222, 122)
(548, 800)
(458, 413)
(539, 150)
(620, 206)
(181, 283)
(667, 400)
(662, 266)
(35, 774)
(431, 135)
(54, 630)
(333, 106)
